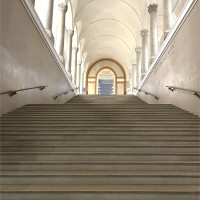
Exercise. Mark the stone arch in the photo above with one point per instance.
(94, 69)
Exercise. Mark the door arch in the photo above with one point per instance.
(109, 76)
(116, 68)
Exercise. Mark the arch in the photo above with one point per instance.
(104, 19)
(128, 4)
(113, 36)
(113, 73)
(96, 67)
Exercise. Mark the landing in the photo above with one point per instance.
(111, 99)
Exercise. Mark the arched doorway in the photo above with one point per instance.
(106, 82)
(106, 77)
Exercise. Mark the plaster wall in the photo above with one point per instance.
(26, 61)
(178, 66)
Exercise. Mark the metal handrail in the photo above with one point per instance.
(63, 93)
(147, 93)
(195, 93)
(13, 92)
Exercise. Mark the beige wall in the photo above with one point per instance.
(26, 61)
(178, 66)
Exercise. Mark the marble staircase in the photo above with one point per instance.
(100, 148)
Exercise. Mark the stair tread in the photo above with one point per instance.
(100, 153)
(101, 173)
(122, 146)
(100, 162)
(99, 188)
(86, 154)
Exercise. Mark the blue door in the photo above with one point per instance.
(106, 87)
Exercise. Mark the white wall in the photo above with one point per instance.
(26, 61)
(178, 66)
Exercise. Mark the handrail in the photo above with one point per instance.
(13, 92)
(147, 93)
(63, 93)
(196, 93)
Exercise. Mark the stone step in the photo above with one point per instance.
(89, 114)
(93, 143)
(123, 149)
(97, 156)
(99, 119)
(107, 98)
(99, 177)
(98, 107)
(109, 125)
(117, 147)
(100, 111)
(100, 122)
(62, 110)
(177, 166)
(82, 104)
(105, 117)
(88, 137)
(99, 192)
(135, 132)
(99, 128)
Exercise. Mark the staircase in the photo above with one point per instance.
(100, 148)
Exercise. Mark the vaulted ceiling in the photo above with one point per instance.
(111, 28)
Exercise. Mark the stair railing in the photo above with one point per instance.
(147, 93)
(13, 92)
(63, 93)
(196, 93)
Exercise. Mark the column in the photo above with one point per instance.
(144, 34)
(75, 53)
(167, 17)
(59, 45)
(153, 30)
(134, 75)
(70, 34)
(131, 81)
(132, 78)
(83, 83)
(44, 9)
(78, 78)
(33, 2)
(138, 51)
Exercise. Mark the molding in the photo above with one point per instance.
(40, 28)
(172, 34)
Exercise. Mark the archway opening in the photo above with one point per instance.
(107, 72)
(106, 82)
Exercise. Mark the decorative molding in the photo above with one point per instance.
(40, 28)
(63, 7)
(138, 49)
(153, 8)
(144, 32)
(183, 16)
(76, 49)
(70, 32)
